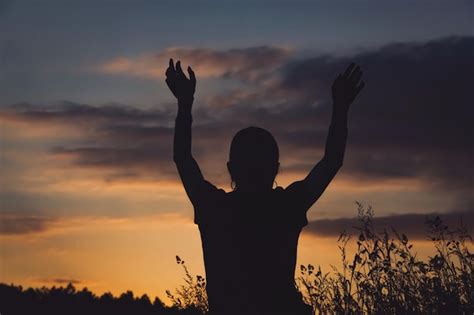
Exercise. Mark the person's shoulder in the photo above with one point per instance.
(289, 200)
(291, 189)
(295, 193)
(210, 194)
(213, 187)
(295, 185)
(212, 201)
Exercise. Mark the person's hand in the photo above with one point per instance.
(346, 87)
(182, 87)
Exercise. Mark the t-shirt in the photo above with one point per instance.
(249, 243)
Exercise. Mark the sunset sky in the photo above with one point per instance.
(88, 189)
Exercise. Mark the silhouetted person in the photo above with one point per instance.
(250, 235)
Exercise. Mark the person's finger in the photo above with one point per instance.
(349, 70)
(179, 70)
(356, 76)
(354, 73)
(170, 71)
(192, 76)
(360, 87)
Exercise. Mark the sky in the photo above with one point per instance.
(89, 192)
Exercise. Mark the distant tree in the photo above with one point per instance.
(67, 300)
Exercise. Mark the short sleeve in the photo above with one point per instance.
(206, 202)
(296, 201)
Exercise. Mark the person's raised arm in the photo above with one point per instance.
(183, 89)
(345, 89)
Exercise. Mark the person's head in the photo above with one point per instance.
(253, 159)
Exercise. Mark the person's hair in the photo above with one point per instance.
(253, 156)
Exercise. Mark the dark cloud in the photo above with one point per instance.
(66, 281)
(74, 113)
(131, 141)
(135, 161)
(413, 225)
(414, 119)
(14, 225)
(60, 280)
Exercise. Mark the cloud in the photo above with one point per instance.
(59, 281)
(413, 120)
(413, 225)
(116, 137)
(131, 161)
(14, 225)
(75, 113)
(246, 64)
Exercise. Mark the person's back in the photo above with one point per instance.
(250, 235)
(249, 244)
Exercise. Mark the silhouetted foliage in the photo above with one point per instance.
(192, 294)
(384, 276)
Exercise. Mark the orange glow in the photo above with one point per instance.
(151, 66)
(136, 254)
